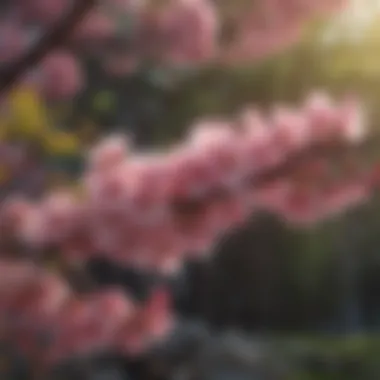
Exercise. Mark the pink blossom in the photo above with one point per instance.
(13, 41)
(96, 26)
(131, 212)
(44, 11)
(59, 76)
(108, 153)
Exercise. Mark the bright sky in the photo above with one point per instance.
(352, 23)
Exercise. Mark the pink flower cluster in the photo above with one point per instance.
(170, 31)
(35, 305)
(266, 27)
(192, 31)
(307, 205)
(150, 209)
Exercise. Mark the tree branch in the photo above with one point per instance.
(52, 39)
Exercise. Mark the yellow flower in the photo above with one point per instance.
(27, 112)
(61, 143)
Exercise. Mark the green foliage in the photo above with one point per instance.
(335, 358)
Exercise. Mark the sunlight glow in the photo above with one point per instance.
(352, 24)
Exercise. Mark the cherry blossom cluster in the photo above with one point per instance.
(149, 210)
(47, 320)
(122, 33)
(263, 28)
(306, 203)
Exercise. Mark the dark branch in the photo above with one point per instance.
(51, 40)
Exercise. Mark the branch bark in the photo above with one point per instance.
(52, 39)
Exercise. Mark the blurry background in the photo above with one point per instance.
(273, 303)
